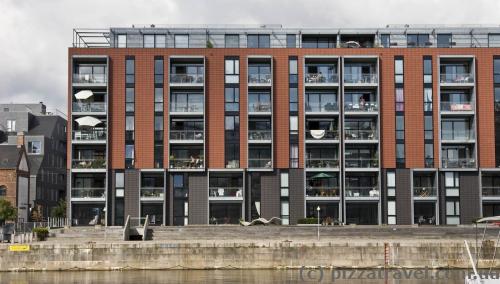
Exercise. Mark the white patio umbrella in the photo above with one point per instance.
(83, 95)
(88, 121)
(317, 133)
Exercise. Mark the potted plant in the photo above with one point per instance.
(41, 233)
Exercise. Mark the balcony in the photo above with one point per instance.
(259, 72)
(263, 163)
(151, 192)
(96, 163)
(322, 191)
(90, 135)
(88, 192)
(457, 107)
(365, 79)
(465, 136)
(187, 79)
(361, 107)
(491, 191)
(186, 163)
(261, 79)
(187, 72)
(361, 163)
(457, 78)
(321, 79)
(423, 192)
(459, 163)
(223, 192)
(360, 135)
(190, 107)
(259, 135)
(89, 78)
(322, 163)
(362, 191)
(89, 107)
(186, 135)
(317, 135)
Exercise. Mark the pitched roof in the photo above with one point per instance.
(9, 156)
(43, 125)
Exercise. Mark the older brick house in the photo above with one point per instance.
(15, 178)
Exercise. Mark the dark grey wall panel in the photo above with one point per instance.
(270, 196)
(296, 194)
(403, 197)
(112, 197)
(132, 177)
(170, 200)
(469, 197)
(198, 199)
(383, 195)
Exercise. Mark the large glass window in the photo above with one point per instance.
(149, 41)
(232, 99)
(232, 71)
(258, 41)
(496, 71)
(259, 102)
(417, 40)
(181, 41)
(428, 70)
(385, 40)
(291, 41)
(34, 147)
(398, 71)
(122, 41)
(321, 102)
(232, 41)
(444, 40)
(312, 41)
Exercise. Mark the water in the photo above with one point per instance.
(234, 276)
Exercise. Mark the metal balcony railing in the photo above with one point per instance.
(358, 134)
(491, 191)
(457, 135)
(361, 163)
(361, 106)
(186, 107)
(92, 134)
(152, 192)
(186, 78)
(89, 78)
(362, 191)
(186, 163)
(457, 78)
(321, 134)
(321, 107)
(371, 78)
(459, 163)
(322, 191)
(259, 135)
(186, 135)
(322, 163)
(226, 191)
(457, 106)
(260, 107)
(88, 192)
(89, 107)
(424, 191)
(89, 163)
(260, 163)
(259, 78)
(319, 78)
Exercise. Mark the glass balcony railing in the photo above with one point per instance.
(260, 163)
(358, 134)
(370, 78)
(457, 78)
(423, 191)
(321, 107)
(187, 107)
(186, 163)
(457, 106)
(89, 107)
(89, 163)
(321, 134)
(89, 78)
(361, 107)
(362, 191)
(259, 78)
(459, 163)
(457, 135)
(322, 191)
(322, 163)
(319, 78)
(361, 163)
(259, 135)
(491, 191)
(92, 134)
(186, 135)
(260, 107)
(88, 192)
(186, 78)
(152, 192)
(226, 191)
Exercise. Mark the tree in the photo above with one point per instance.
(60, 210)
(7, 211)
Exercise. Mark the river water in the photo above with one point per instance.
(238, 276)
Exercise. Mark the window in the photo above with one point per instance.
(452, 183)
(149, 41)
(325, 41)
(444, 40)
(3, 190)
(158, 99)
(452, 212)
(232, 123)
(285, 213)
(294, 156)
(258, 41)
(159, 70)
(232, 99)
(232, 41)
(291, 41)
(119, 184)
(11, 125)
(34, 147)
(181, 41)
(294, 100)
(494, 40)
(391, 184)
(417, 40)
(294, 125)
(428, 127)
(398, 71)
(391, 212)
(129, 99)
(122, 41)
(496, 71)
(400, 151)
(293, 71)
(130, 71)
(160, 41)
(400, 102)
(385, 40)
(427, 70)
(129, 123)
(428, 99)
(232, 71)
(429, 155)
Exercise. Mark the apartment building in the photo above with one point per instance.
(211, 125)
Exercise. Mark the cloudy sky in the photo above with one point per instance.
(35, 34)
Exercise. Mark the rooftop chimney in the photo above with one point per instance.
(20, 139)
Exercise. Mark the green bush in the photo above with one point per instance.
(41, 233)
(7, 211)
(308, 221)
(60, 210)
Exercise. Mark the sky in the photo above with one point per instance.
(35, 34)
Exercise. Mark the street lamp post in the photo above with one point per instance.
(318, 209)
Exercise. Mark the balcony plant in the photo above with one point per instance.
(41, 233)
